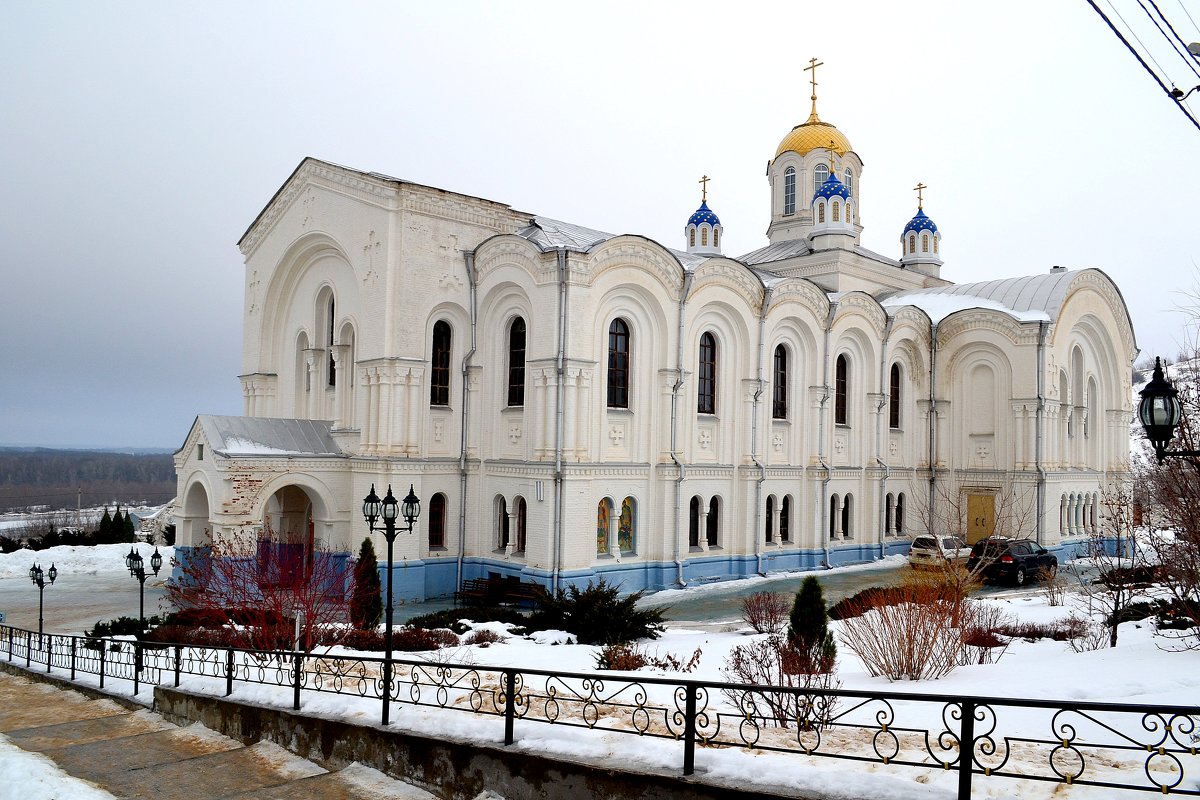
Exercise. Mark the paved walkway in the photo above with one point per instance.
(138, 754)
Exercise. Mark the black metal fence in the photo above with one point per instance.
(1110, 745)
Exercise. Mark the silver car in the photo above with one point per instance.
(929, 551)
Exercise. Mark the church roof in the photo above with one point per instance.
(267, 437)
(1031, 298)
(811, 135)
(920, 222)
(551, 234)
(832, 186)
(703, 215)
(778, 251)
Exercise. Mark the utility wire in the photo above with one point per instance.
(1177, 44)
(1187, 113)
(1189, 15)
(1133, 33)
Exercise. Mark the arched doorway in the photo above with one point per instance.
(194, 528)
(286, 545)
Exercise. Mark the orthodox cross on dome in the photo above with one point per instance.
(812, 67)
(831, 146)
(704, 188)
(919, 188)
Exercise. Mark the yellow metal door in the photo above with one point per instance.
(981, 517)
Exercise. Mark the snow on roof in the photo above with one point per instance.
(263, 436)
(550, 234)
(776, 252)
(1032, 298)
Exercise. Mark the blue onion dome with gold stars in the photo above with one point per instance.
(920, 223)
(832, 187)
(703, 215)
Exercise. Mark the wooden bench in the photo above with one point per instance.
(499, 591)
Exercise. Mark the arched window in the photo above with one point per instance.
(849, 216)
(785, 519)
(889, 514)
(691, 237)
(935, 245)
(332, 371)
(841, 392)
(516, 363)
(924, 242)
(820, 175)
(912, 243)
(522, 513)
(837, 211)
(716, 238)
(789, 190)
(821, 212)
(603, 522)
(779, 407)
(501, 522)
(437, 521)
(900, 514)
(714, 518)
(847, 531)
(627, 526)
(894, 397)
(694, 522)
(618, 364)
(770, 527)
(706, 383)
(834, 516)
(439, 366)
(704, 237)
(849, 181)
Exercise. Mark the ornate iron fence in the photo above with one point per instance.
(1110, 745)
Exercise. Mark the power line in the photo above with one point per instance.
(1189, 15)
(1177, 44)
(1133, 33)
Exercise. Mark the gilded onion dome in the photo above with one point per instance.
(813, 135)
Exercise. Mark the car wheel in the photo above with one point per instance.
(1019, 578)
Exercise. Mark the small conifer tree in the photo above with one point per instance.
(128, 532)
(808, 630)
(105, 533)
(366, 601)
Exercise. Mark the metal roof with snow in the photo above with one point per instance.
(1027, 298)
(267, 436)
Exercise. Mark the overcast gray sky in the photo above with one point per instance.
(138, 140)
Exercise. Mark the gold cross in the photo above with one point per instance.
(831, 170)
(918, 189)
(704, 188)
(812, 67)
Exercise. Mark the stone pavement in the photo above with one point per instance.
(137, 754)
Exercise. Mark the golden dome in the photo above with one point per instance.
(813, 135)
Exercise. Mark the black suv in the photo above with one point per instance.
(1014, 561)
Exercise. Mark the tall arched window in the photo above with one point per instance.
(912, 243)
(894, 397)
(847, 519)
(618, 364)
(834, 516)
(820, 175)
(789, 190)
(900, 514)
(706, 383)
(837, 211)
(627, 526)
(522, 513)
(516, 363)
(770, 526)
(704, 237)
(332, 371)
(692, 237)
(437, 521)
(935, 245)
(779, 404)
(820, 212)
(694, 522)
(603, 523)
(501, 522)
(849, 181)
(714, 519)
(439, 365)
(924, 242)
(785, 519)
(716, 238)
(841, 392)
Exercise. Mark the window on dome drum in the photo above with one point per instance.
(704, 237)
(789, 191)
(501, 523)
(779, 389)
(694, 522)
(912, 243)
(820, 175)
(935, 244)
(820, 212)
(770, 532)
(849, 216)
(714, 518)
(329, 341)
(785, 515)
(439, 366)
(924, 242)
(692, 238)
(841, 391)
(437, 521)
(706, 384)
(716, 238)
(516, 363)
(849, 181)
(837, 215)
(618, 364)
(519, 547)
(894, 398)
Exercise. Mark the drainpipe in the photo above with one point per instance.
(932, 420)
(879, 428)
(1038, 432)
(469, 259)
(762, 471)
(679, 465)
(822, 505)
(561, 368)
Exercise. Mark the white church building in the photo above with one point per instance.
(570, 404)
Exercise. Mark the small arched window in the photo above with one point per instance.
(439, 366)
(501, 522)
(770, 528)
(704, 237)
(785, 519)
(849, 181)
(618, 364)
(714, 519)
(924, 242)
(779, 403)
(516, 363)
(837, 211)
(706, 384)
(694, 522)
(834, 516)
(603, 523)
(716, 238)
(847, 518)
(789, 190)
(820, 175)
(691, 237)
(522, 514)
(332, 371)
(820, 212)
(437, 521)
(849, 216)
(900, 514)
(894, 397)
(935, 245)
(912, 243)
(627, 526)
(841, 391)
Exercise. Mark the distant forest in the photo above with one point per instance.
(36, 478)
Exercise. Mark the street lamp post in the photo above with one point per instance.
(137, 570)
(1160, 413)
(39, 580)
(388, 509)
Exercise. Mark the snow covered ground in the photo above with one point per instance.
(1143, 669)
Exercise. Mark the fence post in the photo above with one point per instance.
(178, 662)
(10, 638)
(966, 750)
(229, 672)
(74, 644)
(137, 666)
(510, 699)
(49, 652)
(297, 667)
(689, 730)
(103, 649)
(28, 646)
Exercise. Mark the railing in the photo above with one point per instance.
(1110, 745)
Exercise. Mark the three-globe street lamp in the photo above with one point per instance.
(388, 509)
(1160, 413)
(39, 580)
(137, 570)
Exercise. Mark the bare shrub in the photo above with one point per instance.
(982, 643)
(765, 612)
(770, 664)
(1054, 586)
(1092, 636)
(1061, 631)
(484, 637)
(631, 657)
(913, 640)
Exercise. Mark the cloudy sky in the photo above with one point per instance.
(139, 139)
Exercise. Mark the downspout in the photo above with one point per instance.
(561, 368)
(879, 428)
(762, 471)
(933, 326)
(823, 506)
(469, 258)
(679, 465)
(1038, 432)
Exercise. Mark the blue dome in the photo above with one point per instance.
(920, 223)
(703, 215)
(832, 187)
